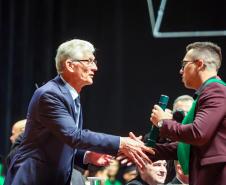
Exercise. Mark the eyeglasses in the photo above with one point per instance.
(89, 62)
(185, 62)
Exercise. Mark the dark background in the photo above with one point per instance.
(134, 67)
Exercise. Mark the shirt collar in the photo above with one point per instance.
(72, 91)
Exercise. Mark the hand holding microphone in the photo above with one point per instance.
(158, 113)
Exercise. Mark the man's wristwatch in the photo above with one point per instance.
(159, 124)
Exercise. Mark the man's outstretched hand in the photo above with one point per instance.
(135, 150)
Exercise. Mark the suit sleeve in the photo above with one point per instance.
(54, 114)
(209, 115)
(165, 151)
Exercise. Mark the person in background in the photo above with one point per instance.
(17, 130)
(112, 171)
(181, 106)
(180, 177)
(96, 171)
(16, 138)
(201, 150)
(129, 173)
(152, 174)
(54, 139)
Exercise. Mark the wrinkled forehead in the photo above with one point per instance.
(84, 55)
(89, 55)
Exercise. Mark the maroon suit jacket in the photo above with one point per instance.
(207, 136)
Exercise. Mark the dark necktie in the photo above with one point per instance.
(77, 109)
(77, 104)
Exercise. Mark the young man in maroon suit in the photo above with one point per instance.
(201, 146)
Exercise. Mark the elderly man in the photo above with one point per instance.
(202, 148)
(182, 104)
(54, 131)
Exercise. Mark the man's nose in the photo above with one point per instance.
(163, 169)
(94, 67)
(181, 71)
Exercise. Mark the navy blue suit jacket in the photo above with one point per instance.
(51, 139)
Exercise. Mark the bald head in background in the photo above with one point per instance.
(17, 129)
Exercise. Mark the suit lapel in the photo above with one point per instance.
(67, 96)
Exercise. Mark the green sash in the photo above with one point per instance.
(1, 177)
(183, 149)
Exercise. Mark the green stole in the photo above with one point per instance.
(183, 149)
(1, 177)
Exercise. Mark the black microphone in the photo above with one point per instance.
(178, 115)
(154, 132)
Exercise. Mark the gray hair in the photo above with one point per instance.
(207, 51)
(183, 98)
(74, 49)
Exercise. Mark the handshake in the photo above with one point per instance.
(131, 150)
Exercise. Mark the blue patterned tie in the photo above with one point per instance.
(77, 109)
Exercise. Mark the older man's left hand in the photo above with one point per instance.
(97, 158)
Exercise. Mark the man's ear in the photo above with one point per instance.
(200, 64)
(69, 65)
